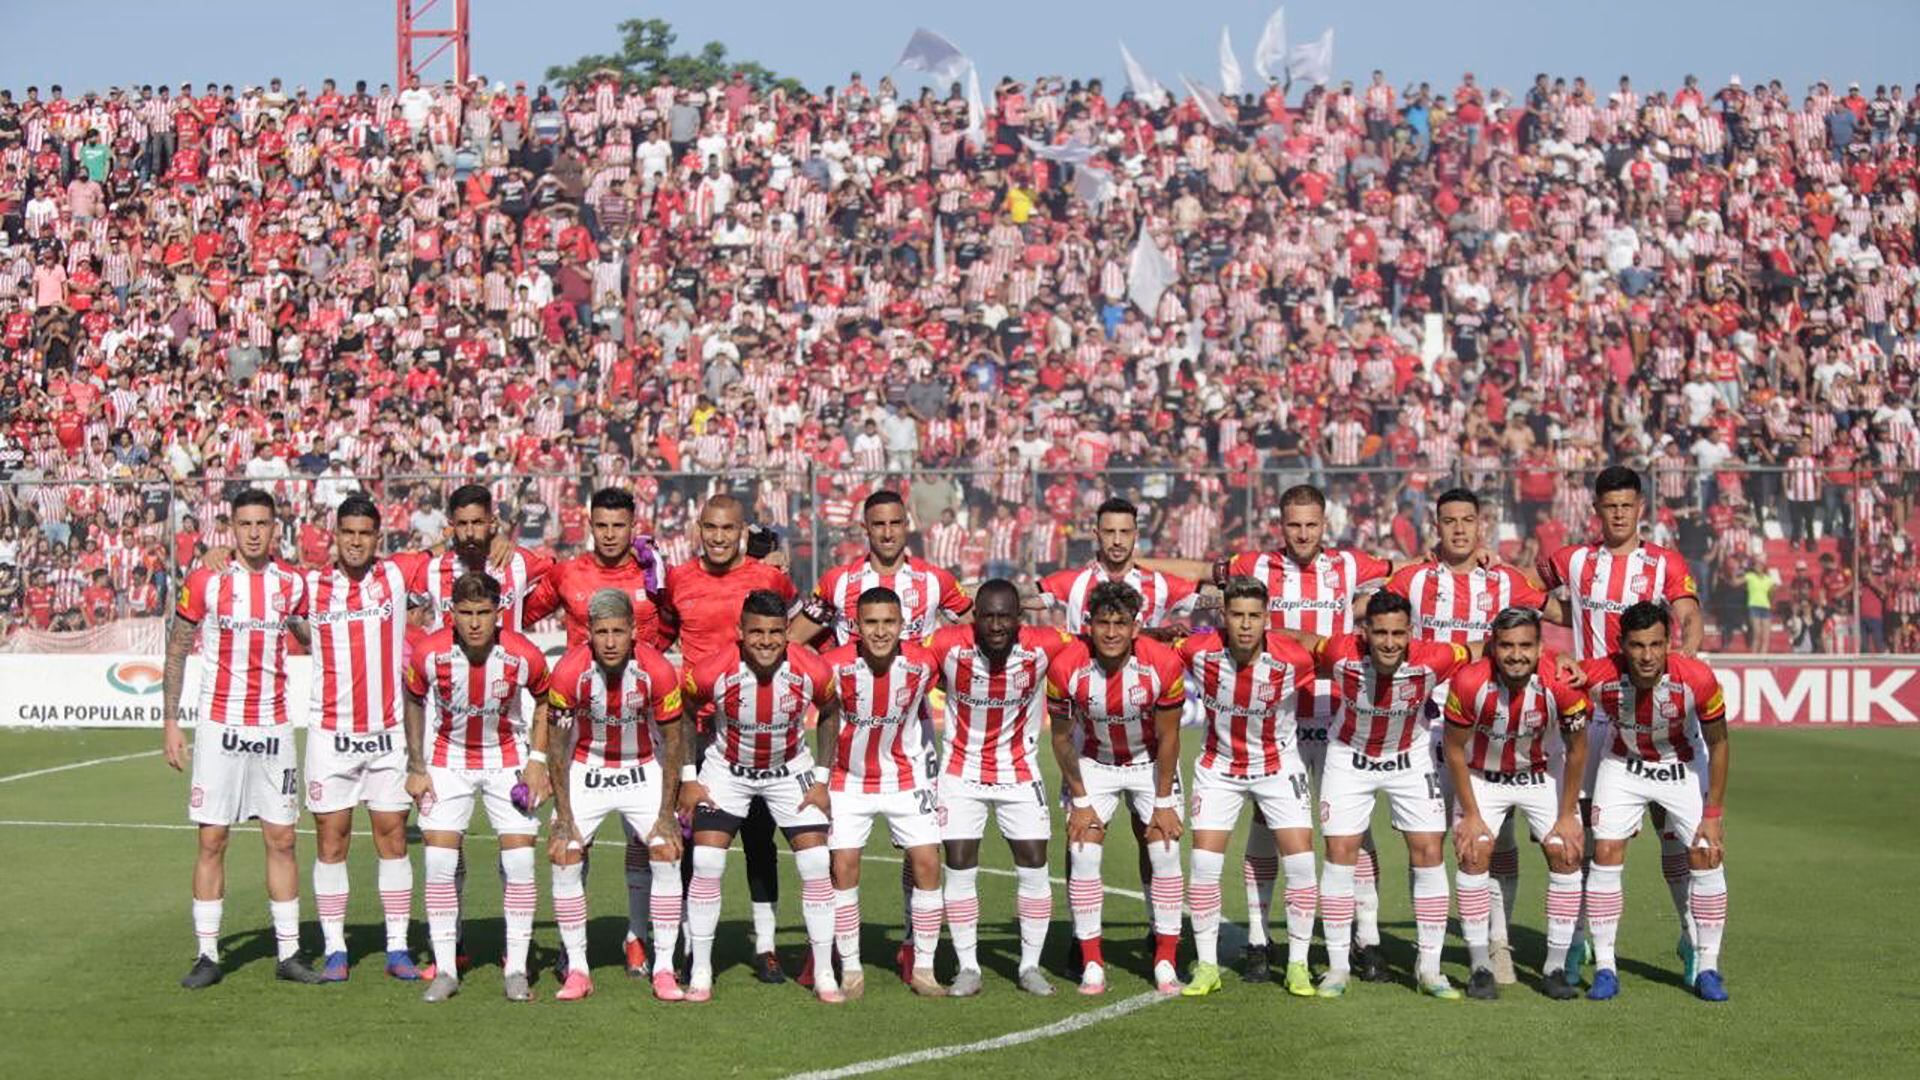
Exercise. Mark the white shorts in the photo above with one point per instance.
(240, 773)
(1283, 798)
(345, 770)
(1106, 784)
(1021, 809)
(1534, 794)
(1311, 744)
(1352, 779)
(450, 806)
(1625, 788)
(631, 793)
(911, 815)
(731, 790)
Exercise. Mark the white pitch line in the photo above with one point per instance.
(999, 1042)
(1113, 889)
(75, 765)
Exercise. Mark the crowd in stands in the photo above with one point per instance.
(1387, 290)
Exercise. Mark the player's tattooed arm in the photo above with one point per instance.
(179, 647)
(1686, 612)
(1080, 817)
(1565, 842)
(826, 736)
(302, 631)
(1470, 833)
(1165, 820)
(414, 723)
(559, 762)
(537, 775)
(663, 842)
(1555, 611)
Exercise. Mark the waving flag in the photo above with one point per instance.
(1145, 89)
(933, 55)
(976, 110)
(1230, 82)
(1210, 106)
(1149, 274)
(1313, 62)
(1270, 56)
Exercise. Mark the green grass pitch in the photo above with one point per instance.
(94, 931)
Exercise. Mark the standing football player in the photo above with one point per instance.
(467, 678)
(612, 700)
(243, 756)
(1115, 698)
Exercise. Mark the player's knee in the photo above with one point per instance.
(278, 838)
(213, 843)
(1344, 850)
(925, 864)
(1029, 853)
(1609, 852)
(709, 860)
(963, 854)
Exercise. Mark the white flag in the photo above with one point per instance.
(1230, 81)
(1270, 56)
(1093, 185)
(933, 55)
(1071, 153)
(939, 248)
(1210, 106)
(1149, 274)
(1145, 90)
(976, 110)
(1313, 62)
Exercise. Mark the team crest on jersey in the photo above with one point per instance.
(1404, 694)
(1136, 695)
(500, 690)
(278, 602)
(902, 694)
(909, 595)
(1019, 679)
(1668, 708)
(1329, 579)
(634, 701)
(1636, 583)
(376, 592)
(1483, 602)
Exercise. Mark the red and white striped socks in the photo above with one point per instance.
(665, 909)
(286, 926)
(1604, 904)
(1708, 903)
(1563, 911)
(1504, 871)
(1259, 868)
(518, 899)
(925, 909)
(396, 899)
(570, 913)
(1429, 918)
(1165, 890)
(330, 902)
(1366, 894)
(1203, 900)
(1303, 897)
(1678, 870)
(703, 911)
(443, 905)
(1034, 899)
(1086, 893)
(817, 910)
(1336, 914)
(1476, 912)
(963, 915)
(846, 926)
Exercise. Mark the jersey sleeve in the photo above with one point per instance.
(664, 684)
(953, 599)
(1173, 679)
(1054, 641)
(1523, 591)
(1056, 587)
(543, 600)
(1444, 659)
(415, 675)
(782, 584)
(1059, 671)
(1369, 568)
(1459, 690)
(538, 565)
(564, 685)
(1706, 690)
(1574, 706)
(819, 607)
(192, 602)
(1552, 567)
(826, 689)
(1401, 582)
(299, 598)
(539, 679)
(1182, 593)
(1240, 565)
(1680, 583)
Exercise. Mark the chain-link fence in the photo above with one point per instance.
(1812, 559)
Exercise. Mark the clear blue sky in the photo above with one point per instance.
(95, 43)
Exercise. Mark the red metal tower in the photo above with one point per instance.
(409, 29)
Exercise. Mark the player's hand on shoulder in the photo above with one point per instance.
(216, 560)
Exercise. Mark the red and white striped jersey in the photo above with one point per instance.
(1114, 711)
(1163, 597)
(994, 711)
(1251, 712)
(242, 616)
(886, 730)
(759, 724)
(473, 707)
(1316, 598)
(1510, 728)
(1458, 609)
(359, 643)
(1661, 724)
(1601, 585)
(614, 722)
(435, 574)
(1384, 716)
(924, 590)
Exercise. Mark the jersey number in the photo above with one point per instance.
(1040, 794)
(926, 800)
(1300, 786)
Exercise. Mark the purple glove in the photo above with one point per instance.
(522, 798)
(643, 554)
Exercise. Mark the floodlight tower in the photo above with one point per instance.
(411, 30)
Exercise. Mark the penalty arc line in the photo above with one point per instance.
(999, 1042)
(10, 778)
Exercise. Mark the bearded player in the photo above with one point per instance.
(614, 700)
(356, 750)
(1500, 711)
(994, 672)
(616, 561)
(760, 692)
(1115, 697)
(1602, 579)
(1455, 597)
(243, 763)
(1666, 746)
(879, 771)
(466, 680)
